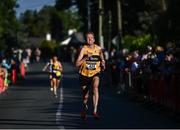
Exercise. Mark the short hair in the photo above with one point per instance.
(89, 33)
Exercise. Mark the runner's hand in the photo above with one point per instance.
(103, 65)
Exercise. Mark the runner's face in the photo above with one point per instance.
(90, 39)
(55, 59)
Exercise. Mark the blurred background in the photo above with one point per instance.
(141, 45)
(57, 24)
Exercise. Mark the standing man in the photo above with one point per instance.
(90, 63)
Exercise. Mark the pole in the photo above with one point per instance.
(109, 31)
(89, 15)
(164, 6)
(100, 24)
(119, 24)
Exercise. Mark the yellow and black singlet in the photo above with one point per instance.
(56, 68)
(92, 65)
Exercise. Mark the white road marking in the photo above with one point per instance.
(60, 107)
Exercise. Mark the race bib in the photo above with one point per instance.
(91, 66)
(58, 73)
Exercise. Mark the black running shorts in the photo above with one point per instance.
(86, 81)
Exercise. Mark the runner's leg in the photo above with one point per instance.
(95, 95)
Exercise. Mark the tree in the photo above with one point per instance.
(64, 18)
(82, 11)
(28, 19)
(56, 20)
(173, 12)
(56, 26)
(8, 23)
(70, 20)
(62, 5)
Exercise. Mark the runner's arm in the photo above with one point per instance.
(102, 60)
(45, 67)
(80, 58)
(60, 66)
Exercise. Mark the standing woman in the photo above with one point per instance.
(56, 74)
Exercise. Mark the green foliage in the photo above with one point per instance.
(132, 42)
(68, 13)
(3, 46)
(50, 19)
(56, 26)
(143, 18)
(70, 20)
(8, 23)
(62, 5)
(36, 24)
(49, 44)
(48, 47)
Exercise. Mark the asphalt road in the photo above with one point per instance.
(31, 105)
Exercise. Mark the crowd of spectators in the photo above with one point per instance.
(14, 64)
(151, 74)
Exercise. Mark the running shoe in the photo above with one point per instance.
(84, 112)
(95, 115)
(84, 115)
(55, 95)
